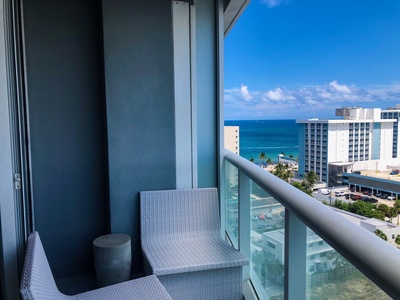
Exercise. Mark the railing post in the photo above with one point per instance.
(244, 219)
(295, 257)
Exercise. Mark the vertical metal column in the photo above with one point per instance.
(9, 279)
(244, 219)
(185, 121)
(295, 257)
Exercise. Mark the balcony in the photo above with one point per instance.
(298, 246)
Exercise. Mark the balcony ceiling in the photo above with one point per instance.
(232, 12)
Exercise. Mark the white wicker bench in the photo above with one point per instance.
(38, 281)
(180, 235)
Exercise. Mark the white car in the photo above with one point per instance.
(391, 198)
(324, 191)
(339, 194)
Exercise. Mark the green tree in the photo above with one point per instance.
(392, 213)
(301, 188)
(361, 208)
(291, 156)
(275, 271)
(282, 171)
(342, 205)
(380, 234)
(309, 180)
(251, 159)
(262, 156)
(397, 241)
(269, 161)
(397, 207)
(383, 208)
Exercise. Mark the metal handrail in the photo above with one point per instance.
(374, 257)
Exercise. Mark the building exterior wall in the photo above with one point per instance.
(394, 113)
(302, 150)
(318, 250)
(338, 142)
(231, 138)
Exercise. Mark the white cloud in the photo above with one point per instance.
(339, 87)
(245, 93)
(278, 95)
(305, 102)
(274, 3)
(275, 95)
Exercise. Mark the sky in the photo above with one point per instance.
(300, 59)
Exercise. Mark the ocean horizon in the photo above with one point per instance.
(269, 136)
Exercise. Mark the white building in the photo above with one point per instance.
(318, 251)
(360, 140)
(393, 113)
(389, 229)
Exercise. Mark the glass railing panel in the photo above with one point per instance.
(330, 276)
(231, 203)
(267, 244)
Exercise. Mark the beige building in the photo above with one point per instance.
(231, 141)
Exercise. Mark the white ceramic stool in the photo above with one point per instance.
(112, 258)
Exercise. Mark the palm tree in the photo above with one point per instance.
(309, 180)
(251, 159)
(269, 161)
(282, 171)
(262, 156)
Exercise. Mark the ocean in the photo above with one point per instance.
(269, 136)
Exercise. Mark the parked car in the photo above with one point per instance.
(254, 218)
(384, 196)
(372, 200)
(324, 191)
(347, 196)
(366, 192)
(264, 226)
(394, 172)
(339, 194)
(391, 198)
(356, 172)
(356, 197)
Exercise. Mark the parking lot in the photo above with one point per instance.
(331, 198)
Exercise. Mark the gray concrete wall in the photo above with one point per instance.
(100, 136)
(138, 51)
(67, 129)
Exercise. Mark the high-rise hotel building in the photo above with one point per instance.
(362, 139)
(394, 113)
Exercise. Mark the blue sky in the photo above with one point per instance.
(290, 59)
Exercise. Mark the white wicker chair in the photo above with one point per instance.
(38, 281)
(180, 235)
